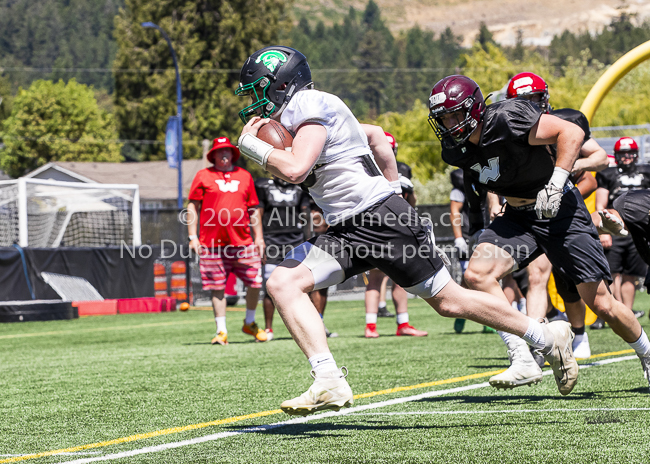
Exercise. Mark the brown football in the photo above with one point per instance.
(275, 134)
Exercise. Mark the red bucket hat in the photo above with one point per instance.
(223, 142)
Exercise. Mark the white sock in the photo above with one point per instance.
(221, 324)
(250, 316)
(522, 306)
(642, 345)
(382, 304)
(509, 339)
(323, 363)
(402, 318)
(371, 318)
(534, 335)
(515, 305)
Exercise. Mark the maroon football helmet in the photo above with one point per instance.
(452, 94)
(527, 85)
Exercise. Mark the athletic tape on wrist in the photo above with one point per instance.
(255, 149)
(559, 177)
(397, 186)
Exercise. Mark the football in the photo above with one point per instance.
(276, 135)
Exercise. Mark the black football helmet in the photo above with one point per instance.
(270, 77)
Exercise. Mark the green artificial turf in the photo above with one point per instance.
(71, 383)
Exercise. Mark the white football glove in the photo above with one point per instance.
(550, 197)
(548, 201)
(406, 184)
(461, 245)
(612, 225)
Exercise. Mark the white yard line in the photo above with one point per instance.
(302, 420)
(502, 411)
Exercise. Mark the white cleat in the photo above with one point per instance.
(645, 362)
(523, 370)
(581, 348)
(558, 353)
(329, 391)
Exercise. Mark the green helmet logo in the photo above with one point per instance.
(271, 59)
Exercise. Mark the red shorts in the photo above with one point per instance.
(243, 261)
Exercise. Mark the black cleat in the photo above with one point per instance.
(384, 312)
(599, 324)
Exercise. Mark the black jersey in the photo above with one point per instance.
(404, 169)
(576, 117)
(617, 183)
(473, 194)
(282, 221)
(634, 208)
(503, 161)
(580, 120)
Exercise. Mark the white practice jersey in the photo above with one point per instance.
(344, 184)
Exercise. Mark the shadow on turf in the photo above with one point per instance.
(326, 429)
(237, 343)
(519, 399)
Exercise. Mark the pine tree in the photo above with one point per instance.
(58, 34)
(212, 39)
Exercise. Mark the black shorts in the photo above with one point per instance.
(565, 287)
(276, 252)
(569, 240)
(388, 236)
(521, 277)
(623, 258)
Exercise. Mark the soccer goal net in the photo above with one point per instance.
(49, 213)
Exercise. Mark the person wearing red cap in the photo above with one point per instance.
(225, 196)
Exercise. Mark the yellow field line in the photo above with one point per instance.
(612, 353)
(428, 384)
(230, 420)
(99, 329)
(142, 436)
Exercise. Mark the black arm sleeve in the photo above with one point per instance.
(473, 196)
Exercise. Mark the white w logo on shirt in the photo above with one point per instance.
(488, 173)
(224, 186)
(280, 197)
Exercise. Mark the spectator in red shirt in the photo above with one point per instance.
(225, 196)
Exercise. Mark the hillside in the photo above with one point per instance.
(537, 20)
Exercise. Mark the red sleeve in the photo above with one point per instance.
(197, 190)
(251, 198)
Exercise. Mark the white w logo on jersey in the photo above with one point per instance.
(280, 197)
(488, 173)
(224, 186)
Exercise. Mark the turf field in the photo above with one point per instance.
(151, 389)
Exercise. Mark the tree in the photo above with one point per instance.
(212, 39)
(5, 99)
(484, 37)
(56, 122)
(418, 145)
(58, 34)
